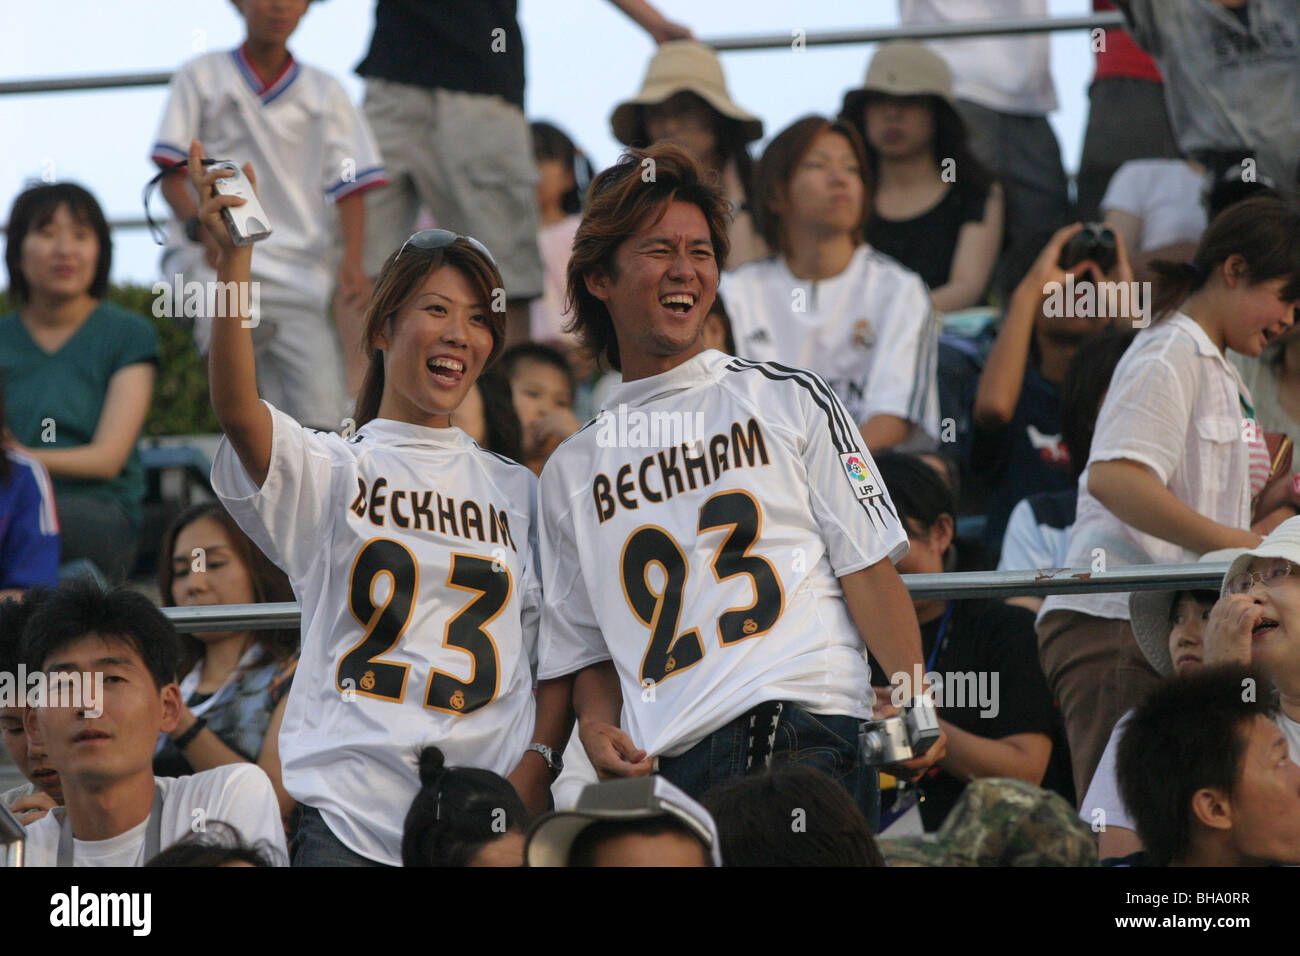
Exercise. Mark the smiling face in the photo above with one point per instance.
(1187, 635)
(60, 256)
(899, 127)
(1265, 801)
(1260, 313)
(825, 193)
(32, 762)
(660, 290)
(97, 751)
(434, 349)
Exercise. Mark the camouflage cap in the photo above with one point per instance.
(1000, 822)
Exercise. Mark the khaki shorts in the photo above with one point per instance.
(468, 157)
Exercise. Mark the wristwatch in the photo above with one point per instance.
(192, 226)
(552, 758)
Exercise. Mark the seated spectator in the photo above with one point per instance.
(1170, 629)
(118, 813)
(29, 521)
(1169, 476)
(542, 384)
(463, 816)
(1017, 442)
(488, 415)
(1252, 622)
(235, 683)
(217, 844)
(564, 173)
(1000, 823)
(1154, 205)
(637, 821)
(78, 373)
(1205, 774)
(1005, 729)
(790, 815)
(827, 301)
(43, 790)
(1232, 79)
(935, 209)
(1038, 529)
(684, 100)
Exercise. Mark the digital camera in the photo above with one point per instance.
(247, 223)
(909, 733)
(1095, 242)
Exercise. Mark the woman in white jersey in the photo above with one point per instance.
(1176, 457)
(829, 302)
(409, 547)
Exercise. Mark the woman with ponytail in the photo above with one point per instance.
(410, 548)
(1176, 458)
(463, 816)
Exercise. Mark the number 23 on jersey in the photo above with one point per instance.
(363, 670)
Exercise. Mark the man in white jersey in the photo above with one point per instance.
(117, 813)
(715, 546)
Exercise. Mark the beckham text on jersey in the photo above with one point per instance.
(430, 511)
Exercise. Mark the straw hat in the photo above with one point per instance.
(902, 68)
(682, 66)
(1149, 612)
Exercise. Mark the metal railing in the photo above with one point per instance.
(959, 585)
(952, 31)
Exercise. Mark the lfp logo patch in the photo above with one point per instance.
(860, 477)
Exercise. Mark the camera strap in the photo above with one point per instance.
(761, 736)
(155, 230)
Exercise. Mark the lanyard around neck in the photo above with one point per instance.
(152, 832)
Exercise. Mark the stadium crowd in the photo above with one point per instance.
(890, 342)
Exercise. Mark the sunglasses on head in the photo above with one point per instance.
(441, 238)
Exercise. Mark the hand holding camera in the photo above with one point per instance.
(228, 204)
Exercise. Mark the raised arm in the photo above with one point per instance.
(232, 371)
(978, 244)
(653, 22)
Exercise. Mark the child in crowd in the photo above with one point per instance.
(543, 385)
(78, 374)
(463, 816)
(235, 683)
(564, 173)
(117, 812)
(258, 104)
(43, 789)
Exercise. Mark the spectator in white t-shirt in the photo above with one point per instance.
(1169, 475)
(117, 813)
(1155, 205)
(828, 301)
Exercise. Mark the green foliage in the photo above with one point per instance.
(180, 397)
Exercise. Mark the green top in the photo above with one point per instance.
(54, 400)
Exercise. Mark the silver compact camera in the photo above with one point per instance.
(909, 733)
(247, 223)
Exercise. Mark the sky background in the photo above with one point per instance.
(582, 58)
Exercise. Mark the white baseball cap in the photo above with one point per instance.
(634, 798)
(1150, 612)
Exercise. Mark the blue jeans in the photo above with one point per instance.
(316, 845)
(827, 742)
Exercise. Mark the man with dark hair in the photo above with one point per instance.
(716, 547)
(102, 741)
(790, 816)
(42, 790)
(1205, 774)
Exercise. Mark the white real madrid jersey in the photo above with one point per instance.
(694, 533)
(412, 553)
(870, 332)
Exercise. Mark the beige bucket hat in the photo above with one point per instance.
(680, 66)
(902, 68)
